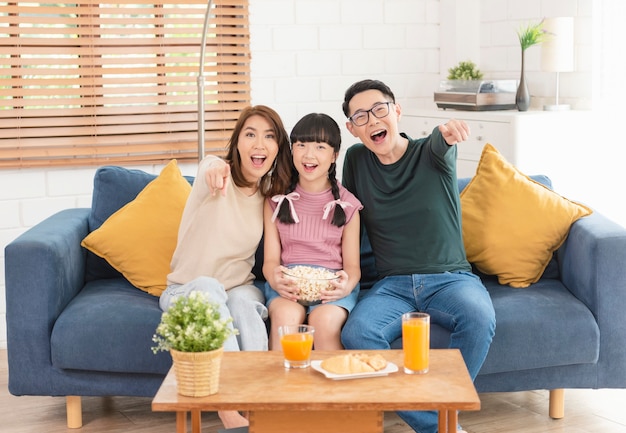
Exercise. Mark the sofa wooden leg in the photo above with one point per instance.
(557, 403)
(74, 411)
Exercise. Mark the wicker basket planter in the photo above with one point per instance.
(197, 373)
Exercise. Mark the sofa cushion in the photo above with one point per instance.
(113, 187)
(108, 327)
(552, 270)
(139, 239)
(532, 323)
(512, 225)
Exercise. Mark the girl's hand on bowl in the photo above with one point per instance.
(285, 286)
(339, 288)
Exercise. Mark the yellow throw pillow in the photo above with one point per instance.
(511, 224)
(139, 239)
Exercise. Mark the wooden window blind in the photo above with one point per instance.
(97, 83)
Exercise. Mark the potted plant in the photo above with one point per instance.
(530, 35)
(464, 77)
(465, 71)
(194, 332)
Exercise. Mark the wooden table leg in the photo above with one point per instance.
(453, 421)
(448, 421)
(443, 421)
(196, 421)
(181, 422)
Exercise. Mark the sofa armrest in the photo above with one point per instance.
(593, 268)
(44, 270)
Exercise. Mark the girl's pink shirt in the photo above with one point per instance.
(313, 240)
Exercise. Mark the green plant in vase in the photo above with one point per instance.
(532, 34)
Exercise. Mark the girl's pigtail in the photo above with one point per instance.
(284, 212)
(339, 215)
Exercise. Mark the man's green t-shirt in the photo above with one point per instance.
(411, 208)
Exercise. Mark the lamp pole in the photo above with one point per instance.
(200, 82)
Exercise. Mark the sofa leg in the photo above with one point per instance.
(557, 403)
(74, 411)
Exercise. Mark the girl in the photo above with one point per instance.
(220, 233)
(316, 222)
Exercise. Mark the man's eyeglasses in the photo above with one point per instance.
(379, 111)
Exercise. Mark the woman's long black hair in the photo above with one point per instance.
(316, 128)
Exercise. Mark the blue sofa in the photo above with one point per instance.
(76, 327)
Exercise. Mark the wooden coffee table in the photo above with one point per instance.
(305, 401)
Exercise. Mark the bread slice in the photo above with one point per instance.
(376, 361)
(354, 363)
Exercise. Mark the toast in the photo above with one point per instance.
(354, 363)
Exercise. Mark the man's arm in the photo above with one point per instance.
(454, 131)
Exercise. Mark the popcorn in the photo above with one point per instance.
(310, 281)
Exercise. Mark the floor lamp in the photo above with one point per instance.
(557, 52)
(200, 82)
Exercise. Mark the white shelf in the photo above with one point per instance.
(537, 142)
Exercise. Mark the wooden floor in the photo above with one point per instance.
(586, 411)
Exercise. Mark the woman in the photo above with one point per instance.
(220, 233)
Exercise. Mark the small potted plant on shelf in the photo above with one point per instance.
(194, 332)
(466, 70)
(464, 77)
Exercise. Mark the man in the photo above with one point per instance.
(412, 215)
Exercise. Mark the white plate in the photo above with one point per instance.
(390, 368)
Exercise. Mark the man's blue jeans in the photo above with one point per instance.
(457, 301)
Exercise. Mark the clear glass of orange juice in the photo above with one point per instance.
(416, 342)
(297, 343)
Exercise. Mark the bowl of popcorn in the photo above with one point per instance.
(310, 280)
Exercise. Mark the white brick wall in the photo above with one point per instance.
(29, 196)
(305, 53)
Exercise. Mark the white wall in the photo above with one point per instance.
(305, 53)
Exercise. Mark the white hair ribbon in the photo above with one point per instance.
(331, 205)
(291, 197)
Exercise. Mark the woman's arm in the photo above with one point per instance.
(216, 173)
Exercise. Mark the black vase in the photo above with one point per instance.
(522, 97)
